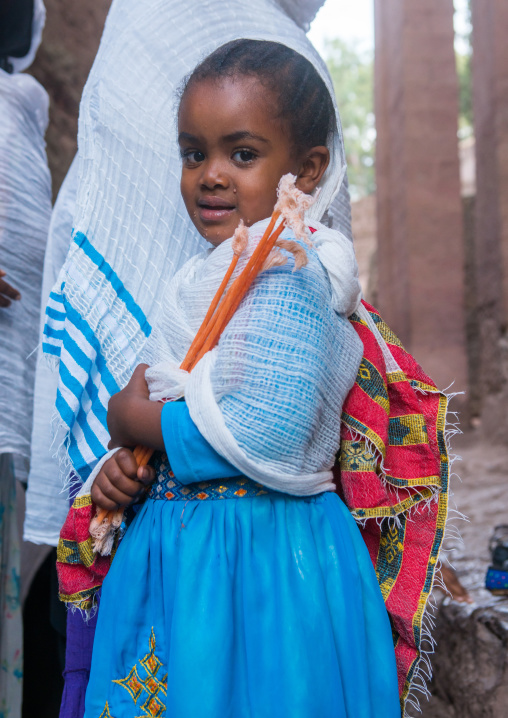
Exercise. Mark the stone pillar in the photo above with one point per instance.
(490, 103)
(420, 228)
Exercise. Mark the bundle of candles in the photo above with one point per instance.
(290, 210)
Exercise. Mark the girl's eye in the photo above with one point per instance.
(243, 156)
(193, 157)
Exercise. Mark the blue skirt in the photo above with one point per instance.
(258, 605)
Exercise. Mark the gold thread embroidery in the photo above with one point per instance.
(105, 713)
(152, 686)
(391, 544)
(387, 511)
(356, 457)
(72, 552)
(132, 682)
(408, 430)
(393, 377)
(82, 501)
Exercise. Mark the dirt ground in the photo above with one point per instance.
(480, 489)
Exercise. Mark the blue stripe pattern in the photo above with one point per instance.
(51, 349)
(123, 294)
(53, 314)
(51, 333)
(83, 395)
(56, 297)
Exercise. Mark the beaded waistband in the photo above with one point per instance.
(166, 487)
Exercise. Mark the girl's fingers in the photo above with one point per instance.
(118, 487)
(117, 496)
(139, 372)
(101, 500)
(137, 383)
(146, 474)
(118, 483)
(126, 462)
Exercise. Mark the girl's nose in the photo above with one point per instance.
(214, 175)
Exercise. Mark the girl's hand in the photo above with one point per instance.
(120, 481)
(132, 418)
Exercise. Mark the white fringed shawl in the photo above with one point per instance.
(268, 398)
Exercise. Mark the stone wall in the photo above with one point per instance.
(490, 105)
(420, 226)
(69, 44)
(364, 223)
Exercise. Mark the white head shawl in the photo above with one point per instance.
(131, 229)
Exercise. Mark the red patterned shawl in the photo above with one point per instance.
(394, 473)
(80, 570)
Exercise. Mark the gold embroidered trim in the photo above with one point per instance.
(146, 691)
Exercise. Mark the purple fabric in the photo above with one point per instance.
(78, 658)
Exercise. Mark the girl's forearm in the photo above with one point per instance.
(133, 420)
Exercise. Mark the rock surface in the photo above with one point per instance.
(471, 660)
(420, 229)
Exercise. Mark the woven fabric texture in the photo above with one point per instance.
(25, 208)
(393, 472)
(268, 398)
(46, 499)
(394, 476)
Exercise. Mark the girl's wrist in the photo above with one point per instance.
(140, 423)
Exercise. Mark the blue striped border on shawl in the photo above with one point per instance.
(84, 425)
(132, 307)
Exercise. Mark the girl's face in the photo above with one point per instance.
(234, 152)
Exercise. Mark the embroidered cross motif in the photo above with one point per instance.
(356, 457)
(146, 690)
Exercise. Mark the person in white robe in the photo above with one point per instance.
(25, 208)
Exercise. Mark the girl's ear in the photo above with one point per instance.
(312, 169)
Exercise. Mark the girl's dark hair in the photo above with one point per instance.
(304, 101)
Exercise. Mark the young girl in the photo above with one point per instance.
(243, 586)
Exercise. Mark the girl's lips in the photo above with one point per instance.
(214, 214)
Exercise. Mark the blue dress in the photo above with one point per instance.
(228, 600)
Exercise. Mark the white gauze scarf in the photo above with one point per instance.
(268, 398)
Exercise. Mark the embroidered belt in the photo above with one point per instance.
(168, 488)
